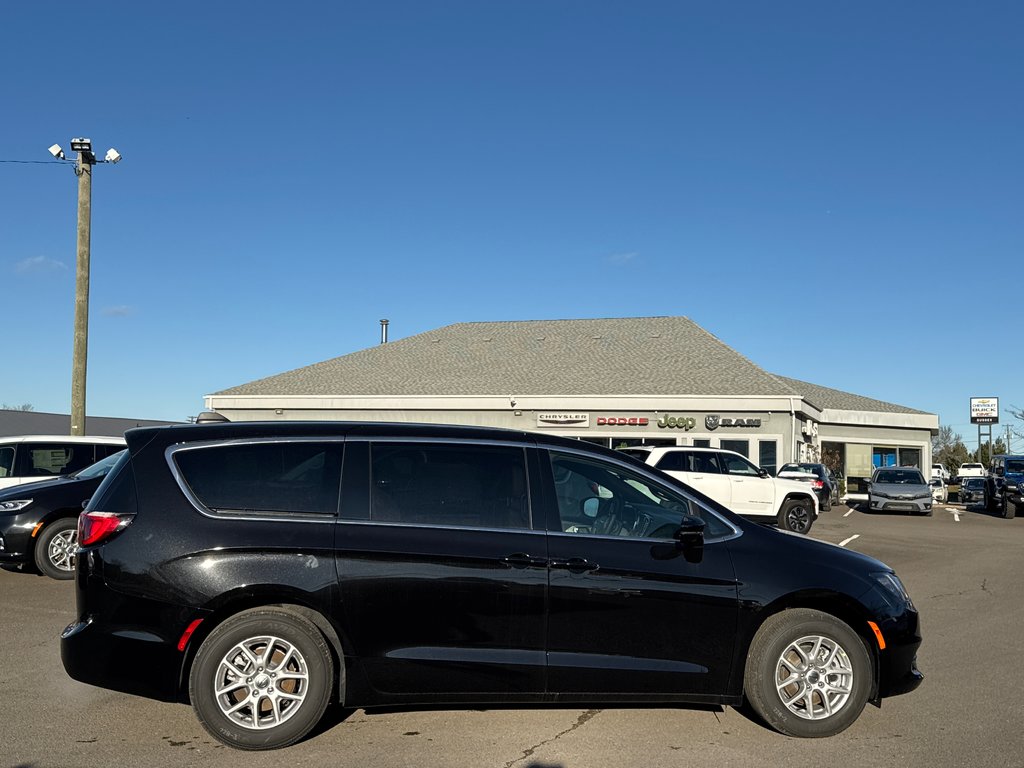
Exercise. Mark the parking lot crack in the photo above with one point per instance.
(580, 721)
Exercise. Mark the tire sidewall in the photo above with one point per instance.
(293, 628)
(42, 549)
(772, 639)
(788, 505)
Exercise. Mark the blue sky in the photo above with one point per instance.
(833, 189)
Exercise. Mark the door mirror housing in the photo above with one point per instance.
(690, 538)
(762, 472)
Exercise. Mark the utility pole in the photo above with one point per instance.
(86, 159)
(83, 169)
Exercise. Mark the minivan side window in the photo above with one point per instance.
(605, 499)
(445, 484)
(6, 461)
(46, 459)
(296, 477)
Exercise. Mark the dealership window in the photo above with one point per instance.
(883, 457)
(768, 455)
(650, 442)
(910, 457)
(741, 447)
(700, 442)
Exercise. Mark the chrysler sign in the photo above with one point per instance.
(563, 419)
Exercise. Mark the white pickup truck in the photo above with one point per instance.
(735, 482)
(972, 470)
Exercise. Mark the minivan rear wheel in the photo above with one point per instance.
(262, 679)
(808, 674)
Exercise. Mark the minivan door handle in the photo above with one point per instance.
(575, 565)
(523, 560)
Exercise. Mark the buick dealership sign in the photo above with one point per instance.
(984, 410)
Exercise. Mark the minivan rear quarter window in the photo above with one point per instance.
(264, 478)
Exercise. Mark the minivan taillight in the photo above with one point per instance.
(97, 527)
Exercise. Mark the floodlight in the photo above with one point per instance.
(81, 145)
(57, 152)
(112, 156)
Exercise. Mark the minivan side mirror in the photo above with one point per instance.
(690, 538)
(762, 472)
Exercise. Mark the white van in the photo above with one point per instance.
(32, 458)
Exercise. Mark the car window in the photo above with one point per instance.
(53, 459)
(264, 477)
(6, 461)
(900, 477)
(689, 461)
(101, 467)
(605, 499)
(737, 465)
(477, 486)
(1015, 466)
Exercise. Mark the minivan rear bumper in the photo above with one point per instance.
(126, 660)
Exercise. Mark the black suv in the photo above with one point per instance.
(825, 484)
(261, 571)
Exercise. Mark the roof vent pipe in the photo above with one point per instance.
(383, 331)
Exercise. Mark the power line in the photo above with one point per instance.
(34, 162)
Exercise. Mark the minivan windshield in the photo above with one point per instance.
(99, 469)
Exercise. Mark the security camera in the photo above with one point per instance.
(112, 156)
(57, 152)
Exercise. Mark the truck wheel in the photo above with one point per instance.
(807, 673)
(796, 516)
(1009, 509)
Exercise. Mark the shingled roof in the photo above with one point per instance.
(836, 399)
(610, 356)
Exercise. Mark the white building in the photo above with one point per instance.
(626, 381)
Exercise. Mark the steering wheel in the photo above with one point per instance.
(608, 521)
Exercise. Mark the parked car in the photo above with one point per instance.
(940, 471)
(39, 521)
(940, 493)
(825, 485)
(903, 489)
(261, 571)
(1006, 484)
(34, 458)
(737, 483)
(974, 490)
(971, 470)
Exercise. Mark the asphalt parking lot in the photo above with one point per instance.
(962, 569)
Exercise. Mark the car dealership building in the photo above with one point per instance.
(616, 382)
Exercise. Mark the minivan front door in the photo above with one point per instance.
(627, 612)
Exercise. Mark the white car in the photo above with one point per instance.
(33, 458)
(972, 470)
(735, 482)
(940, 471)
(940, 493)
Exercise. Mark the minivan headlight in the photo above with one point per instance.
(893, 588)
(14, 505)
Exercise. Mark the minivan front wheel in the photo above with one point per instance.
(796, 516)
(262, 679)
(808, 673)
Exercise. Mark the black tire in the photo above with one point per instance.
(796, 515)
(297, 646)
(55, 549)
(844, 678)
(1009, 509)
(827, 504)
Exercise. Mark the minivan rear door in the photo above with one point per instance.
(442, 575)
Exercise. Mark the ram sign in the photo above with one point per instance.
(984, 410)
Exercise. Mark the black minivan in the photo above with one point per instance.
(261, 571)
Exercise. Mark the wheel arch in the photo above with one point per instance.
(843, 607)
(238, 602)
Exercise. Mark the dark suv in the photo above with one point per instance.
(1006, 484)
(261, 571)
(825, 484)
